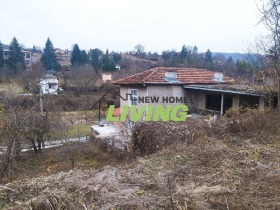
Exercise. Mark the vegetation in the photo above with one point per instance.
(209, 166)
(1, 56)
(76, 56)
(230, 163)
(15, 57)
(49, 59)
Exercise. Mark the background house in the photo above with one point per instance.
(49, 84)
(206, 91)
(106, 78)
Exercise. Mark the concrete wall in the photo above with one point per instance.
(235, 101)
(153, 90)
(261, 103)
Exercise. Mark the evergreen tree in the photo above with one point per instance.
(184, 52)
(117, 57)
(15, 57)
(76, 56)
(208, 56)
(195, 50)
(1, 56)
(230, 60)
(49, 59)
(95, 58)
(84, 57)
(108, 63)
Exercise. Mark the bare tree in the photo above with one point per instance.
(30, 79)
(82, 77)
(139, 48)
(13, 129)
(270, 17)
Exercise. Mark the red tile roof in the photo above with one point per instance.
(184, 76)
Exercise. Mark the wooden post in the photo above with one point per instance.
(222, 104)
(99, 110)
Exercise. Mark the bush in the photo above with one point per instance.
(149, 137)
(254, 123)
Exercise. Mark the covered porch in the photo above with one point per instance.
(219, 98)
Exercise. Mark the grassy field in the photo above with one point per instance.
(11, 86)
(79, 130)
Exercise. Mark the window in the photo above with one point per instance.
(133, 97)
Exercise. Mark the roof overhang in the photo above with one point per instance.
(213, 89)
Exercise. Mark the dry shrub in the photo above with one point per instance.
(254, 124)
(149, 137)
(107, 147)
(54, 203)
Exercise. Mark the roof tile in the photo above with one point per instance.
(184, 76)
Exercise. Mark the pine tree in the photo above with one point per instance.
(16, 57)
(108, 63)
(184, 52)
(1, 56)
(208, 56)
(230, 60)
(195, 50)
(84, 57)
(49, 59)
(76, 56)
(95, 56)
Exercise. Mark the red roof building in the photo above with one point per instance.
(203, 91)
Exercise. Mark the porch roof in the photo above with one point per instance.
(231, 89)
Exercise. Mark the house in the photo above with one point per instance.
(118, 67)
(27, 57)
(106, 78)
(59, 51)
(49, 84)
(203, 91)
(26, 54)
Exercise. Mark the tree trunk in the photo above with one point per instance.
(278, 92)
(34, 146)
(39, 143)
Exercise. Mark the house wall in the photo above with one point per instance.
(235, 101)
(153, 90)
(196, 100)
(165, 91)
(44, 84)
(150, 91)
(261, 103)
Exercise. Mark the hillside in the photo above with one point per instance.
(235, 56)
(230, 164)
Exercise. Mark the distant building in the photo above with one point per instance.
(106, 78)
(118, 67)
(49, 84)
(59, 51)
(27, 56)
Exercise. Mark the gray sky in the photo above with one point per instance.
(220, 25)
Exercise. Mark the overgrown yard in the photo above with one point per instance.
(233, 163)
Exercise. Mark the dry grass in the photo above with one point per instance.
(202, 165)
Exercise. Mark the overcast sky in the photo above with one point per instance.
(220, 25)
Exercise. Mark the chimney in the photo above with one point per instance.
(218, 77)
(171, 76)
